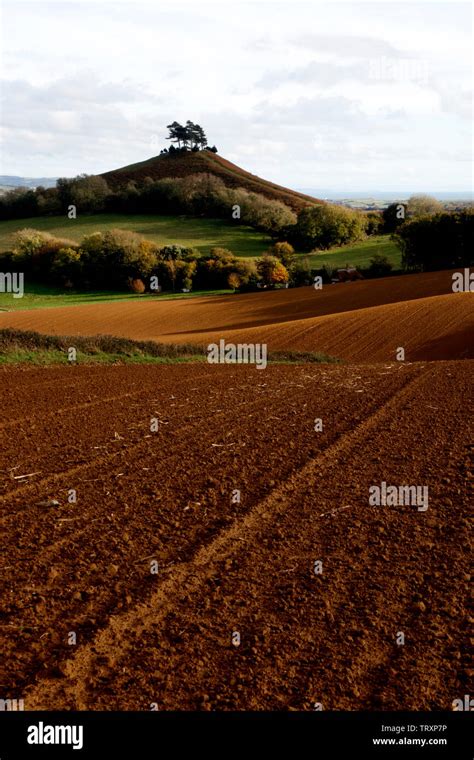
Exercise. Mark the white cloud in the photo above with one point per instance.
(346, 46)
(303, 93)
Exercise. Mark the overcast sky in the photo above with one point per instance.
(359, 96)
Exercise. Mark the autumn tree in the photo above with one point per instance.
(271, 271)
(234, 281)
(284, 252)
(419, 205)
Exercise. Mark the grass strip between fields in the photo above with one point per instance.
(29, 347)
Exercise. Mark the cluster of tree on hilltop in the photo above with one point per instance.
(188, 137)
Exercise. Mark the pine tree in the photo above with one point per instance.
(192, 135)
(201, 136)
(176, 132)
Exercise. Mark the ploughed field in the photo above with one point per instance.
(167, 501)
(362, 321)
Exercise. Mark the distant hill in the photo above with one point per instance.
(9, 181)
(206, 162)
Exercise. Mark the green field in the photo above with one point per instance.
(202, 234)
(41, 296)
(358, 254)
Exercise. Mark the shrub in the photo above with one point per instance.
(36, 251)
(258, 211)
(380, 266)
(136, 285)
(174, 273)
(234, 281)
(284, 252)
(115, 256)
(422, 205)
(394, 216)
(214, 270)
(27, 242)
(300, 272)
(440, 241)
(326, 272)
(66, 267)
(17, 203)
(271, 271)
(246, 271)
(172, 252)
(87, 192)
(374, 223)
(323, 226)
(111, 258)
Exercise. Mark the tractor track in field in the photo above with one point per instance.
(192, 575)
(125, 415)
(89, 405)
(166, 638)
(102, 460)
(51, 553)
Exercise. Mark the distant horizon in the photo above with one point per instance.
(323, 193)
(387, 194)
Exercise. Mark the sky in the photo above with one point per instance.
(344, 96)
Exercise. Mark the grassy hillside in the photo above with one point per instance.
(358, 254)
(202, 234)
(205, 162)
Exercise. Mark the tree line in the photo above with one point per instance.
(120, 259)
(195, 195)
(428, 236)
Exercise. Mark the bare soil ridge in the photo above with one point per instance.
(364, 321)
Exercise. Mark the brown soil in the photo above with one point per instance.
(165, 638)
(361, 321)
